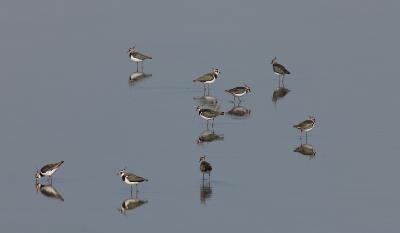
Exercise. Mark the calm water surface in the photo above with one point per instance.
(65, 95)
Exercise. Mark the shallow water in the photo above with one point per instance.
(65, 95)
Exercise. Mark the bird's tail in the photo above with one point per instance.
(195, 80)
(296, 126)
(60, 163)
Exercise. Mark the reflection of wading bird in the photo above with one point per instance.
(208, 79)
(208, 114)
(205, 167)
(131, 204)
(306, 125)
(48, 170)
(137, 76)
(238, 92)
(209, 136)
(137, 57)
(131, 179)
(279, 93)
(205, 192)
(279, 69)
(239, 111)
(48, 191)
(307, 150)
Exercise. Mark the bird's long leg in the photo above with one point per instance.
(142, 66)
(212, 123)
(239, 101)
(136, 188)
(283, 79)
(131, 191)
(306, 137)
(203, 177)
(207, 124)
(208, 89)
(204, 89)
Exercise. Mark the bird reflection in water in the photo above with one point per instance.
(205, 192)
(279, 93)
(238, 111)
(48, 191)
(131, 204)
(137, 77)
(306, 150)
(208, 136)
(207, 101)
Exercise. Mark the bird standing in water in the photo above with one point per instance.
(137, 57)
(279, 70)
(205, 167)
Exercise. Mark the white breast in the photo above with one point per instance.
(135, 59)
(306, 130)
(206, 118)
(49, 173)
(211, 81)
(241, 94)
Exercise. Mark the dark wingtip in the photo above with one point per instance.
(62, 162)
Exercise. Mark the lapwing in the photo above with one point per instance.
(131, 204)
(48, 191)
(205, 167)
(307, 150)
(306, 125)
(208, 79)
(48, 170)
(137, 57)
(239, 91)
(131, 179)
(208, 114)
(279, 69)
(209, 136)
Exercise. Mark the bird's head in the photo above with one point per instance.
(216, 71)
(131, 50)
(247, 88)
(203, 158)
(122, 172)
(311, 117)
(273, 60)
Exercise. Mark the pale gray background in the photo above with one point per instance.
(64, 95)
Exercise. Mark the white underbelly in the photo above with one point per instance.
(211, 81)
(49, 173)
(240, 94)
(206, 118)
(135, 59)
(309, 129)
(128, 182)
